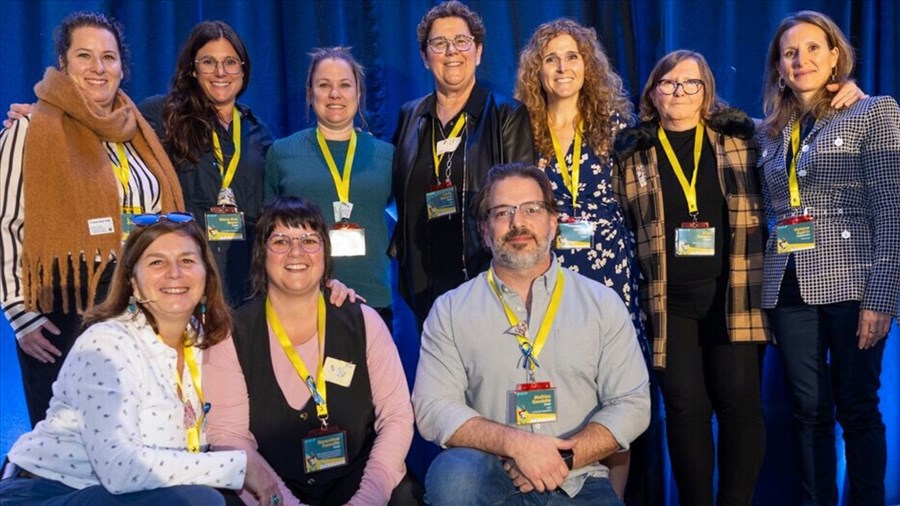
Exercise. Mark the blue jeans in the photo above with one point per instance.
(41, 492)
(464, 476)
(826, 370)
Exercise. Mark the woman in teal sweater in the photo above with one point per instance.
(347, 173)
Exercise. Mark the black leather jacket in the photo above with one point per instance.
(500, 132)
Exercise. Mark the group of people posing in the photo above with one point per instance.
(178, 282)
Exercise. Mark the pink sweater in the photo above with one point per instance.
(229, 418)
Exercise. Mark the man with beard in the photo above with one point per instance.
(528, 362)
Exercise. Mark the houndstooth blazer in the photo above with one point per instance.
(636, 183)
(849, 177)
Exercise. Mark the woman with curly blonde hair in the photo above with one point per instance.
(576, 103)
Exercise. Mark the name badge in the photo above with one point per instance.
(441, 201)
(695, 239)
(342, 210)
(532, 403)
(100, 226)
(797, 233)
(338, 372)
(225, 226)
(127, 224)
(347, 240)
(324, 449)
(577, 234)
(448, 145)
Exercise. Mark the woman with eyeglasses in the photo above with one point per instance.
(74, 173)
(127, 421)
(832, 275)
(218, 146)
(446, 142)
(686, 180)
(577, 104)
(346, 172)
(315, 393)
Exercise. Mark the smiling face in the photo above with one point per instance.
(806, 61)
(219, 87)
(335, 94)
(170, 275)
(562, 68)
(679, 111)
(453, 70)
(294, 272)
(94, 63)
(518, 242)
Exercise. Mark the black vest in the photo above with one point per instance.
(279, 429)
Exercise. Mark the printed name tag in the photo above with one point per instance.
(324, 450)
(341, 210)
(441, 201)
(797, 233)
(575, 235)
(448, 145)
(100, 226)
(348, 241)
(225, 226)
(695, 240)
(533, 403)
(338, 372)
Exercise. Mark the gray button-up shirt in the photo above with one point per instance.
(469, 362)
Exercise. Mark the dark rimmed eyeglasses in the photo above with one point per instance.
(146, 220)
(282, 243)
(669, 87)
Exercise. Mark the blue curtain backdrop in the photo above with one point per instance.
(733, 35)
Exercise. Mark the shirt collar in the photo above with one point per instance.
(473, 108)
(545, 282)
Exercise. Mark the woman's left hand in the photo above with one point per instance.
(873, 327)
(341, 292)
(846, 94)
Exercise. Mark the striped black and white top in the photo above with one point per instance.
(143, 191)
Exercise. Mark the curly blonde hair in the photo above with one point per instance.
(779, 103)
(603, 104)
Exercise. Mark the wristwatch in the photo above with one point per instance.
(568, 457)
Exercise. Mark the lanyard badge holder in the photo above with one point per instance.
(347, 238)
(533, 402)
(574, 233)
(224, 222)
(194, 423)
(798, 231)
(440, 200)
(326, 447)
(693, 238)
(123, 174)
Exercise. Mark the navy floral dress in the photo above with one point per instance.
(611, 259)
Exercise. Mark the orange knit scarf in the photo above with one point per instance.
(68, 180)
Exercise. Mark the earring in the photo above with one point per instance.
(833, 74)
(781, 84)
(132, 305)
(203, 310)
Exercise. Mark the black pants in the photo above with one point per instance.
(38, 377)
(706, 374)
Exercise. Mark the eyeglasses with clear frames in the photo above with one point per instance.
(533, 209)
(440, 45)
(282, 243)
(209, 65)
(669, 87)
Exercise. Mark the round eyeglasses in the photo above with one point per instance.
(209, 65)
(282, 243)
(669, 87)
(440, 45)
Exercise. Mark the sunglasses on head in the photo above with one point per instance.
(146, 220)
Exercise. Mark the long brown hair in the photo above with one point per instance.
(602, 101)
(711, 102)
(188, 115)
(779, 104)
(218, 316)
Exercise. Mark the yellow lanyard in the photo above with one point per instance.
(316, 386)
(341, 182)
(793, 185)
(570, 175)
(690, 189)
(122, 170)
(453, 135)
(217, 149)
(531, 351)
(193, 433)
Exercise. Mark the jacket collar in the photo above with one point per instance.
(730, 122)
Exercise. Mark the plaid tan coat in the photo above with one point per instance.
(636, 183)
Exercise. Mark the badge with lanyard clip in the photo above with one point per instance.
(574, 233)
(695, 238)
(325, 447)
(224, 221)
(796, 232)
(440, 200)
